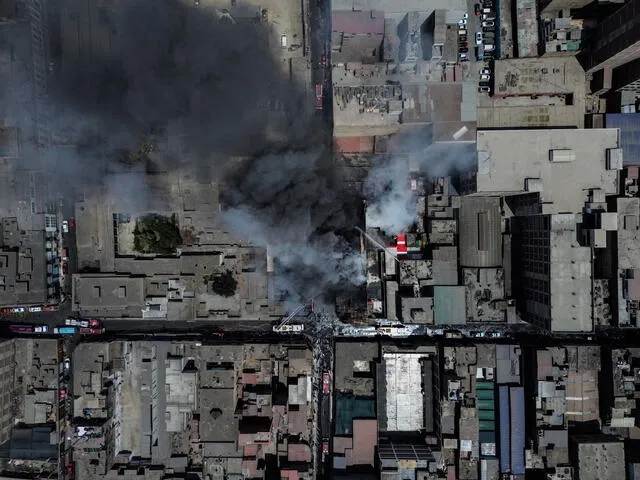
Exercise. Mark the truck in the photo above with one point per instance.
(22, 328)
(65, 330)
(288, 328)
(77, 322)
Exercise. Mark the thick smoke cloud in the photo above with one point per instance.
(287, 203)
(172, 87)
(172, 76)
(391, 204)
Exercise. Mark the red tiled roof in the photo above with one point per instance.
(358, 23)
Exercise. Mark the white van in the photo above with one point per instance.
(283, 41)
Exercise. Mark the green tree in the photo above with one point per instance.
(156, 234)
(224, 284)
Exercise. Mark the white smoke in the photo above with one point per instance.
(391, 203)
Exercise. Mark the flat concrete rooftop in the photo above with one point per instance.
(507, 158)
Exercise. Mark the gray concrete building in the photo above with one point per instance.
(554, 273)
(561, 165)
(598, 456)
(535, 93)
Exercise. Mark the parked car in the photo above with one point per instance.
(488, 16)
(484, 71)
(462, 38)
(67, 363)
(463, 49)
(477, 9)
(94, 322)
(326, 382)
(495, 334)
(35, 309)
(485, 77)
(76, 322)
(323, 60)
(18, 310)
(462, 21)
(41, 329)
(489, 47)
(463, 44)
(325, 448)
(49, 308)
(72, 222)
(486, 30)
(463, 57)
(65, 253)
(486, 10)
(465, 16)
(478, 38)
(488, 23)
(65, 226)
(462, 31)
(62, 393)
(65, 268)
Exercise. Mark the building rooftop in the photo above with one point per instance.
(503, 169)
(570, 273)
(535, 92)
(599, 456)
(23, 265)
(480, 227)
(108, 295)
(355, 367)
(404, 402)
(449, 305)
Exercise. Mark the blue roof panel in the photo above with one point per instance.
(505, 444)
(629, 125)
(517, 430)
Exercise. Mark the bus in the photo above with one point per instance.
(64, 330)
(22, 328)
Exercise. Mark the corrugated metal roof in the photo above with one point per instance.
(485, 394)
(517, 430)
(485, 404)
(487, 425)
(484, 385)
(505, 444)
(487, 415)
(488, 436)
(480, 232)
